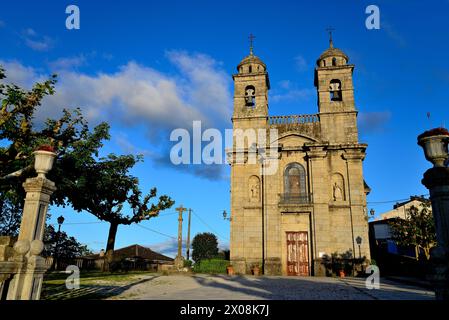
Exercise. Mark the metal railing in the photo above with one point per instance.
(295, 198)
(296, 119)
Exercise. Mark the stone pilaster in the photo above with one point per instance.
(35, 209)
(26, 283)
(437, 181)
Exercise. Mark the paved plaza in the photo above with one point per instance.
(221, 287)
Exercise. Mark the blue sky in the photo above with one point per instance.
(147, 67)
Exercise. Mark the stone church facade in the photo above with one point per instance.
(314, 205)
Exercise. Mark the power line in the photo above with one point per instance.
(155, 231)
(67, 223)
(392, 201)
(208, 226)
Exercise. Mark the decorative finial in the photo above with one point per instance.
(331, 43)
(251, 40)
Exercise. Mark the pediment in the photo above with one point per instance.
(294, 139)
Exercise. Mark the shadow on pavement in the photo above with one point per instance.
(85, 292)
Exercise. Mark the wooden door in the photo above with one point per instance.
(297, 254)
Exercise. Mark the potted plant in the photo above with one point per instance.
(255, 270)
(434, 142)
(43, 159)
(230, 270)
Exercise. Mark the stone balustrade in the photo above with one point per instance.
(294, 119)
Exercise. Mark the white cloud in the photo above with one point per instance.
(293, 95)
(301, 64)
(68, 62)
(393, 33)
(37, 42)
(21, 75)
(168, 247)
(373, 122)
(139, 95)
(285, 84)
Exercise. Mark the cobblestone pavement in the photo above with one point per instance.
(221, 287)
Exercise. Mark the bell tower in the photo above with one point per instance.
(336, 107)
(251, 85)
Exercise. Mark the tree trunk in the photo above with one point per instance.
(110, 245)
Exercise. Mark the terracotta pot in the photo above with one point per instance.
(43, 162)
(342, 274)
(230, 270)
(256, 271)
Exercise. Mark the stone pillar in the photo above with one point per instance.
(436, 180)
(179, 260)
(38, 192)
(320, 227)
(27, 281)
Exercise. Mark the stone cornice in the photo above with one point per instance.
(316, 151)
(354, 152)
(436, 177)
(39, 184)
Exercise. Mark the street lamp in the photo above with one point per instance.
(60, 222)
(359, 242)
(225, 214)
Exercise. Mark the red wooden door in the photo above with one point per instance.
(297, 254)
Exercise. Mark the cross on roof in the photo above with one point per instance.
(251, 41)
(329, 30)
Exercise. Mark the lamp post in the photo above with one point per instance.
(225, 214)
(359, 242)
(58, 235)
(435, 145)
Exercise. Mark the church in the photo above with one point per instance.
(314, 205)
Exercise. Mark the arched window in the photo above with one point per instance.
(250, 96)
(334, 61)
(250, 69)
(335, 90)
(295, 189)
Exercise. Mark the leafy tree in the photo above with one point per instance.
(417, 230)
(68, 247)
(204, 246)
(20, 136)
(101, 186)
(105, 186)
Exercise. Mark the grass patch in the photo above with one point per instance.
(93, 277)
(212, 266)
(93, 284)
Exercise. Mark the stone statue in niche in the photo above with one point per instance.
(254, 188)
(338, 192)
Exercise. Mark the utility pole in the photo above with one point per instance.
(188, 236)
(179, 260)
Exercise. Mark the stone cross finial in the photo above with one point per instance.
(251, 42)
(331, 43)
